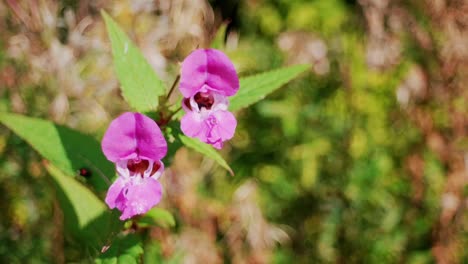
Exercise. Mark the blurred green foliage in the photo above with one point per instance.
(329, 153)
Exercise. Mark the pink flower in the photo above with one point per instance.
(136, 145)
(207, 79)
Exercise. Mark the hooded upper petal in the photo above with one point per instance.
(208, 69)
(133, 135)
(140, 198)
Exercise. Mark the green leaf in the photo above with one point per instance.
(206, 150)
(218, 38)
(85, 216)
(126, 249)
(255, 88)
(153, 252)
(157, 217)
(140, 85)
(66, 148)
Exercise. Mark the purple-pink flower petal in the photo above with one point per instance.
(218, 127)
(115, 195)
(193, 125)
(140, 198)
(134, 196)
(208, 69)
(225, 125)
(133, 135)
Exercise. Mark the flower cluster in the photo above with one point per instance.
(135, 143)
(207, 79)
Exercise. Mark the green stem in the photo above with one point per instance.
(173, 113)
(173, 86)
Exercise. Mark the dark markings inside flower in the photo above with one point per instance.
(204, 100)
(186, 102)
(140, 166)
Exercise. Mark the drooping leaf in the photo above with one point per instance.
(85, 216)
(66, 148)
(140, 85)
(254, 88)
(206, 150)
(157, 217)
(125, 249)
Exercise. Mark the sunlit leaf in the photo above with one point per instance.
(157, 217)
(86, 217)
(206, 150)
(140, 85)
(126, 249)
(255, 88)
(218, 39)
(66, 148)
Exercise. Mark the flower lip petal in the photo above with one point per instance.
(214, 128)
(133, 135)
(192, 124)
(140, 198)
(115, 197)
(208, 69)
(225, 124)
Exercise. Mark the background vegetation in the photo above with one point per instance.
(361, 160)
